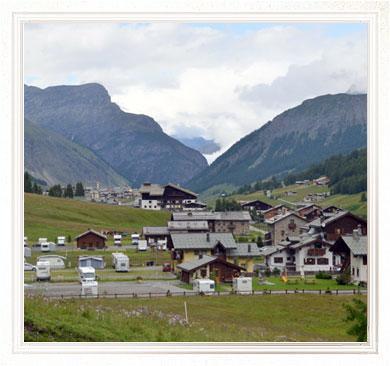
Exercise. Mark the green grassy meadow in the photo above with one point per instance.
(277, 318)
(51, 217)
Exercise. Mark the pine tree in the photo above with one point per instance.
(68, 191)
(79, 192)
(28, 183)
(55, 191)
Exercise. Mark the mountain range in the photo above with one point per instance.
(75, 133)
(292, 141)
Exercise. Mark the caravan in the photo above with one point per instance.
(242, 285)
(61, 240)
(86, 274)
(43, 271)
(204, 286)
(142, 245)
(118, 240)
(87, 278)
(120, 262)
(56, 261)
(134, 239)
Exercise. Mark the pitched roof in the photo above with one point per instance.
(244, 203)
(245, 250)
(90, 231)
(278, 218)
(187, 225)
(199, 240)
(321, 224)
(266, 251)
(205, 216)
(191, 265)
(175, 186)
(155, 230)
(97, 257)
(152, 189)
(357, 245)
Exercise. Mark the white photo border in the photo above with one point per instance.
(375, 14)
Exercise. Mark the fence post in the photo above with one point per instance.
(303, 290)
(184, 293)
(286, 291)
(337, 291)
(354, 291)
(218, 293)
(320, 292)
(253, 292)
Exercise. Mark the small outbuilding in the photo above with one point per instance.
(91, 239)
(96, 262)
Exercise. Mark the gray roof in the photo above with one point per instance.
(278, 218)
(188, 225)
(96, 257)
(358, 245)
(152, 189)
(266, 251)
(199, 240)
(191, 265)
(242, 250)
(205, 216)
(155, 230)
(318, 223)
(181, 189)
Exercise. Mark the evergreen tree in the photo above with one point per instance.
(357, 314)
(363, 197)
(79, 192)
(36, 189)
(28, 183)
(68, 191)
(55, 191)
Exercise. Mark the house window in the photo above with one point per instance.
(353, 271)
(357, 272)
(278, 259)
(282, 233)
(309, 261)
(364, 260)
(322, 261)
(318, 245)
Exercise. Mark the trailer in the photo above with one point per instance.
(61, 240)
(48, 246)
(142, 245)
(56, 261)
(86, 274)
(43, 271)
(120, 262)
(118, 240)
(27, 252)
(162, 244)
(204, 286)
(134, 239)
(242, 285)
(89, 289)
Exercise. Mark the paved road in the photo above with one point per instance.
(105, 288)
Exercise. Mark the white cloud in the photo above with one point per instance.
(222, 84)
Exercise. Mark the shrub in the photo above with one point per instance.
(276, 272)
(267, 272)
(357, 315)
(344, 278)
(323, 276)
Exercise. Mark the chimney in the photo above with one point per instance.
(208, 237)
(360, 230)
(355, 234)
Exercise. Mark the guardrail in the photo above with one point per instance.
(215, 293)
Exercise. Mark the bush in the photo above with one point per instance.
(344, 278)
(276, 272)
(323, 276)
(267, 272)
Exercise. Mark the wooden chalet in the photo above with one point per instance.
(91, 239)
(255, 205)
(310, 212)
(276, 210)
(341, 223)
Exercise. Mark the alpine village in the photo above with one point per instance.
(130, 235)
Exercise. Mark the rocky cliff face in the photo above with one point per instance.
(316, 129)
(134, 146)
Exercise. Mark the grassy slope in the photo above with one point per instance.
(232, 318)
(347, 202)
(50, 217)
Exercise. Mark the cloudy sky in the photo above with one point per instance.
(218, 81)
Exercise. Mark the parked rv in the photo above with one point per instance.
(120, 262)
(204, 286)
(118, 240)
(56, 261)
(27, 252)
(61, 240)
(48, 246)
(43, 271)
(134, 239)
(142, 245)
(242, 285)
(89, 289)
(87, 274)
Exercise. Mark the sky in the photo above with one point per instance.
(214, 80)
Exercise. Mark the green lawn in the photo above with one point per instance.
(298, 317)
(51, 217)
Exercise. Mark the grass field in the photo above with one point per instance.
(51, 217)
(211, 319)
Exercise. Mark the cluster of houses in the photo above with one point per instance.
(114, 195)
(320, 181)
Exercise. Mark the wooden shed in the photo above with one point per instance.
(91, 239)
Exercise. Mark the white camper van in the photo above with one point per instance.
(142, 245)
(162, 244)
(89, 289)
(120, 262)
(118, 240)
(242, 285)
(61, 240)
(47, 246)
(206, 286)
(134, 239)
(43, 271)
(86, 274)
